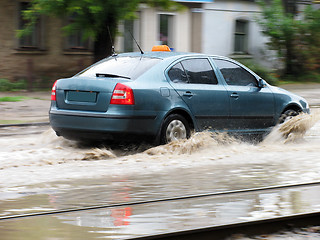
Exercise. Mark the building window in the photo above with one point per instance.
(166, 29)
(128, 41)
(76, 40)
(241, 37)
(32, 40)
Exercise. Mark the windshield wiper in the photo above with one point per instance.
(110, 75)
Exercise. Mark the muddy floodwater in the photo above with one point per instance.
(45, 158)
(43, 172)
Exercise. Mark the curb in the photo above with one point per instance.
(25, 124)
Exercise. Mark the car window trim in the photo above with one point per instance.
(214, 68)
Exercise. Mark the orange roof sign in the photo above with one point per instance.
(161, 48)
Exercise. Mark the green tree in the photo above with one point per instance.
(308, 41)
(280, 27)
(295, 38)
(92, 17)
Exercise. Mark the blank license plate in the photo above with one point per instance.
(81, 96)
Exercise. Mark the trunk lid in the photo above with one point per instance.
(85, 94)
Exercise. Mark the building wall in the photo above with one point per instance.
(201, 27)
(218, 29)
(148, 34)
(208, 28)
(196, 32)
(44, 65)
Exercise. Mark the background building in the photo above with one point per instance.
(221, 27)
(44, 55)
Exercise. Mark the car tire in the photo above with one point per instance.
(175, 127)
(288, 114)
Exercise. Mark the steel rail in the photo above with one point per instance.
(177, 198)
(248, 228)
(24, 124)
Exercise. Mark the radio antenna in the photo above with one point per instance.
(112, 47)
(136, 42)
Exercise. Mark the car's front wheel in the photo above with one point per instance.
(286, 115)
(175, 127)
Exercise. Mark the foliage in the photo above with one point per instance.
(296, 39)
(306, 78)
(6, 85)
(308, 41)
(92, 17)
(273, 77)
(13, 99)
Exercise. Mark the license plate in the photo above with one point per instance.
(81, 96)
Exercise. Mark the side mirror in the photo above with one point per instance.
(262, 83)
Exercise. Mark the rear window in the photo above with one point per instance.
(126, 67)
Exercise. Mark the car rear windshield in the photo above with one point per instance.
(125, 67)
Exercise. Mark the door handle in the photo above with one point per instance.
(188, 94)
(234, 95)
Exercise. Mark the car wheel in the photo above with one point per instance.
(288, 114)
(175, 127)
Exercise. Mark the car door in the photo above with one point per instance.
(251, 106)
(195, 81)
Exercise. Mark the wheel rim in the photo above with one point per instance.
(176, 130)
(287, 116)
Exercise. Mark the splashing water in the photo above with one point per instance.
(98, 154)
(46, 157)
(48, 149)
(294, 129)
(197, 142)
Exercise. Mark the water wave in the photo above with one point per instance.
(294, 129)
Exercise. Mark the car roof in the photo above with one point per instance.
(159, 54)
(166, 55)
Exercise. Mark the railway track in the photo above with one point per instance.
(177, 198)
(7, 130)
(246, 229)
(24, 124)
(213, 231)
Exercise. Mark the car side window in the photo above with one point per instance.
(234, 74)
(200, 71)
(177, 74)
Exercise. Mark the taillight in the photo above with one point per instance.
(53, 92)
(122, 94)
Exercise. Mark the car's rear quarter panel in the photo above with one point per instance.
(154, 96)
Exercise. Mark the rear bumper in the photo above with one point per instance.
(99, 115)
(85, 125)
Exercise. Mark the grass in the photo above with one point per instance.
(13, 98)
(12, 121)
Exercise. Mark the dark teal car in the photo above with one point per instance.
(164, 96)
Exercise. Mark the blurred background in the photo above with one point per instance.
(42, 41)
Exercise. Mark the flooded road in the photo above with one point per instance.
(149, 218)
(45, 158)
(78, 175)
(42, 172)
